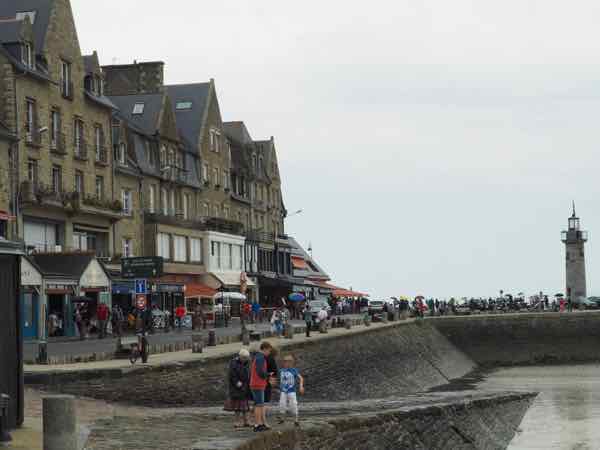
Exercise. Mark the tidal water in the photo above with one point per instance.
(566, 414)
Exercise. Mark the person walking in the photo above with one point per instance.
(259, 377)
(308, 319)
(291, 383)
(239, 388)
(255, 312)
(180, 315)
(102, 314)
(117, 319)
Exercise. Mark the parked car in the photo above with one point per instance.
(590, 302)
(463, 309)
(376, 307)
(316, 306)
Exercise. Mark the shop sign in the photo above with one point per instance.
(150, 267)
(67, 288)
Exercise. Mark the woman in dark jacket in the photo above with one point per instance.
(239, 388)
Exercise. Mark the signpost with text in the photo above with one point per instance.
(150, 267)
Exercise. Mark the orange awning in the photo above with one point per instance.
(341, 292)
(198, 290)
(299, 263)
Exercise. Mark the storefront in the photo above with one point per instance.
(33, 306)
(68, 280)
(232, 282)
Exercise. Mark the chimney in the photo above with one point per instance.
(136, 78)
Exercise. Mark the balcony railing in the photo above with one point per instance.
(81, 152)
(101, 155)
(212, 224)
(58, 144)
(33, 136)
(46, 248)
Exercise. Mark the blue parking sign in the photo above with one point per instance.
(141, 286)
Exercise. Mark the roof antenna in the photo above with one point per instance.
(574, 214)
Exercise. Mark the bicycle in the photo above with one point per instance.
(137, 352)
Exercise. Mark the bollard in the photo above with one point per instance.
(367, 321)
(289, 332)
(212, 338)
(384, 317)
(348, 324)
(4, 435)
(323, 327)
(42, 357)
(197, 343)
(60, 423)
(246, 337)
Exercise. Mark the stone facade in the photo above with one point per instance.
(64, 131)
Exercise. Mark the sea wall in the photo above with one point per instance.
(524, 339)
(488, 423)
(366, 363)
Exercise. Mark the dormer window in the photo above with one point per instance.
(183, 106)
(27, 56)
(121, 154)
(23, 14)
(138, 109)
(215, 141)
(66, 84)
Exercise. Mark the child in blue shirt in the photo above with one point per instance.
(291, 383)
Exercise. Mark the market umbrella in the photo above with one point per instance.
(559, 295)
(296, 297)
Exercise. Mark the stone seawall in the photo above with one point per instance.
(367, 363)
(524, 339)
(483, 423)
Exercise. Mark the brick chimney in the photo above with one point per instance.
(136, 78)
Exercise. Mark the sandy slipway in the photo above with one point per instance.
(344, 370)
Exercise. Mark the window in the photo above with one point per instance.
(31, 14)
(126, 200)
(121, 154)
(183, 106)
(226, 179)
(225, 212)
(163, 245)
(195, 250)
(163, 201)
(205, 173)
(127, 248)
(152, 199)
(56, 179)
(55, 127)
(205, 209)
(66, 86)
(27, 54)
(260, 164)
(32, 171)
(78, 138)
(172, 204)
(187, 201)
(163, 156)
(179, 249)
(80, 241)
(138, 108)
(216, 176)
(228, 263)
(79, 182)
(253, 161)
(99, 143)
(99, 188)
(216, 211)
(30, 124)
(216, 253)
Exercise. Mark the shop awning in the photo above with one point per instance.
(299, 263)
(231, 279)
(193, 290)
(341, 292)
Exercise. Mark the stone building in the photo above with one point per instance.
(52, 100)
(7, 143)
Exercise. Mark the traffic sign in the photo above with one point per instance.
(140, 301)
(141, 286)
(145, 267)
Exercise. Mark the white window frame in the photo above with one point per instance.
(186, 206)
(163, 245)
(127, 248)
(66, 71)
(205, 173)
(79, 182)
(179, 248)
(138, 108)
(196, 250)
(164, 201)
(126, 200)
(27, 56)
(122, 153)
(152, 199)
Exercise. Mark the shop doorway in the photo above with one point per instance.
(57, 315)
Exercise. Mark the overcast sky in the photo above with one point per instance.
(434, 146)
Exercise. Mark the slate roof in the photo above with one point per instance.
(237, 131)
(10, 31)
(63, 264)
(42, 8)
(297, 250)
(90, 63)
(146, 122)
(190, 122)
